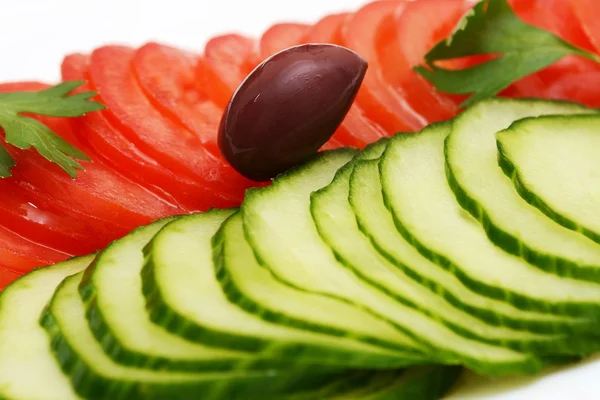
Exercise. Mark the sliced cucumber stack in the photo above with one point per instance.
(112, 289)
(95, 375)
(357, 275)
(25, 355)
(425, 209)
(554, 164)
(487, 193)
(184, 295)
(376, 222)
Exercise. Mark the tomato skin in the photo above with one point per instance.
(356, 129)
(41, 221)
(173, 146)
(20, 255)
(42, 203)
(227, 60)
(281, 36)
(380, 102)
(111, 146)
(167, 76)
(403, 40)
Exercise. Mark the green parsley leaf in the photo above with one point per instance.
(492, 27)
(24, 132)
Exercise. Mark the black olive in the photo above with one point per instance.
(288, 107)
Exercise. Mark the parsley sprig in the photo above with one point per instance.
(24, 132)
(492, 27)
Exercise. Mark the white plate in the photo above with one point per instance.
(36, 34)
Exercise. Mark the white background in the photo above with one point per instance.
(36, 34)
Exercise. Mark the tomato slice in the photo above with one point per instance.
(19, 255)
(586, 13)
(327, 30)
(356, 129)
(77, 216)
(381, 103)
(281, 36)
(113, 148)
(98, 194)
(576, 86)
(173, 146)
(403, 40)
(227, 60)
(7, 276)
(42, 221)
(167, 76)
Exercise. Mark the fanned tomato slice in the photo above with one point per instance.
(19, 255)
(167, 76)
(44, 222)
(173, 146)
(404, 38)
(586, 13)
(281, 36)
(227, 60)
(77, 216)
(356, 129)
(327, 30)
(381, 103)
(98, 192)
(7, 276)
(113, 148)
(554, 81)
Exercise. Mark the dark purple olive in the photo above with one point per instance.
(288, 107)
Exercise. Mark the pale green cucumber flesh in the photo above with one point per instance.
(375, 220)
(482, 189)
(425, 210)
(428, 317)
(112, 290)
(337, 224)
(257, 291)
(282, 234)
(28, 369)
(185, 296)
(279, 226)
(96, 376)
(554, 164)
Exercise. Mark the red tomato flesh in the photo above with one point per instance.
(356, 129)
(380, 102)
(20, 255)
(404, 38)
(281, 36)
(112, 147)
(227, 60)
(167, 76)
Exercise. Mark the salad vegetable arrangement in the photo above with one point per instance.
(439, 227)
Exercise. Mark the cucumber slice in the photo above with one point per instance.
(112, 291)
(96, 376)
(185, 297)
(295, 234)
(257, 291)
(280, 230)
(554, 164)
(376, 222)
(425, 210)
(336, 222)
(488, 194)
(422, 383)
(27, 367)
